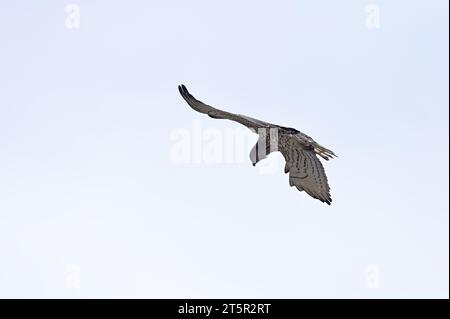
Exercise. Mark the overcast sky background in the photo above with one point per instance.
(92, 204)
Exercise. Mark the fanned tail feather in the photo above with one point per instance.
(323, 152)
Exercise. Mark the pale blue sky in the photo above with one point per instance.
(87, 182)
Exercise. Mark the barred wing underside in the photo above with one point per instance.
(305, 170)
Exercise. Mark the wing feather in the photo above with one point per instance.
(306, 172)
(213, 112)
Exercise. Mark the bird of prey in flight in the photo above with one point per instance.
(299, 150)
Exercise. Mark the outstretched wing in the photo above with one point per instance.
(219, 114)
(305, 170)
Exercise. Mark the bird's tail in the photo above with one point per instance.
(323, 152)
